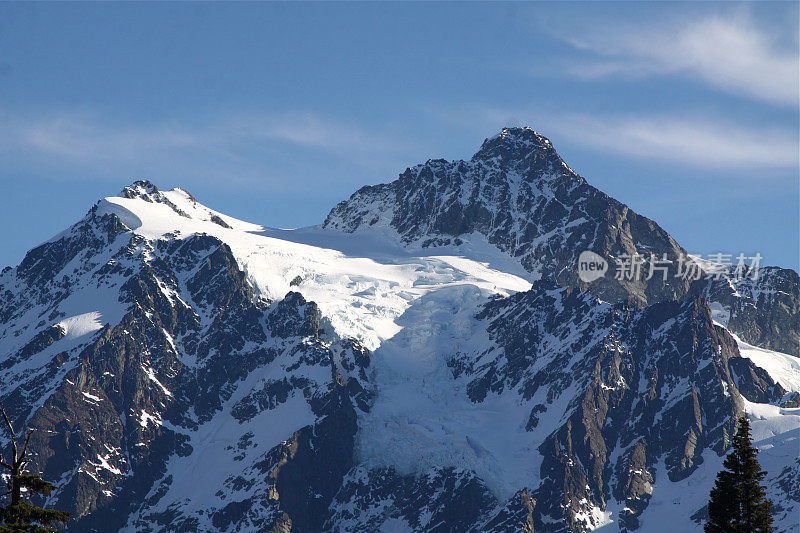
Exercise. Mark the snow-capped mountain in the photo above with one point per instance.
(427, 359)
(520, 196)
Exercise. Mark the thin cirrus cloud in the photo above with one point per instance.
(79, 137)
(692, 141)
(730, 52)
(233, 143)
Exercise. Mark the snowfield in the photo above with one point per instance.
(361, 283)
(415, 309)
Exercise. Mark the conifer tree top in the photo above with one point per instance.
(738, 502)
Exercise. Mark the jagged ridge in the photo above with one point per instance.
(182, 377)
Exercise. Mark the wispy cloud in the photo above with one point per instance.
(688, 140)
(692, 140)
(82, 135)
(239, 147)
(729, 52)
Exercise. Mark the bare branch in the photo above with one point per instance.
(13, 436)
(8, 422)
(21, 459)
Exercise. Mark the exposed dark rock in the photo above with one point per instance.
(764, 311)
(196, 371)
(754, 383)
(444, 499)
(519, 194)
(294, 316)
(216, 219)
(144, 190)
(515, 515)
(40, 341)
(646, 395)
(41, 265)
(791, 401)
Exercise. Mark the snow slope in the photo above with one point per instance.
(783, 368)
(424, 419)
(415, 307)
(362, 285)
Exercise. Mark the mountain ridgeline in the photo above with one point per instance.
(427, 359)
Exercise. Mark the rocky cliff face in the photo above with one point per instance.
(640, 388)
(112, 408)
(523, 198)
(185, 371)
(764, 311)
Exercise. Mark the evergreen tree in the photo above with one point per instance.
(738, 502)
(20, 516)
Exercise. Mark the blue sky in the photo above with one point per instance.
(687, 112)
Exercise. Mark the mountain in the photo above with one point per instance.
(427, 359)
(518, 194)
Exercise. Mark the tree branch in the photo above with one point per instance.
(25, 448)
(13, 436)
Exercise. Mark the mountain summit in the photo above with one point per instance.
(513, 145)
(518, 194)
(427, 359)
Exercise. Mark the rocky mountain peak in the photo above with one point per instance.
(519, 194)
(514, 144)
(143, 189)
(147, 191)
(462, 377)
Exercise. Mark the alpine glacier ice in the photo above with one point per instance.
(425, 358)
